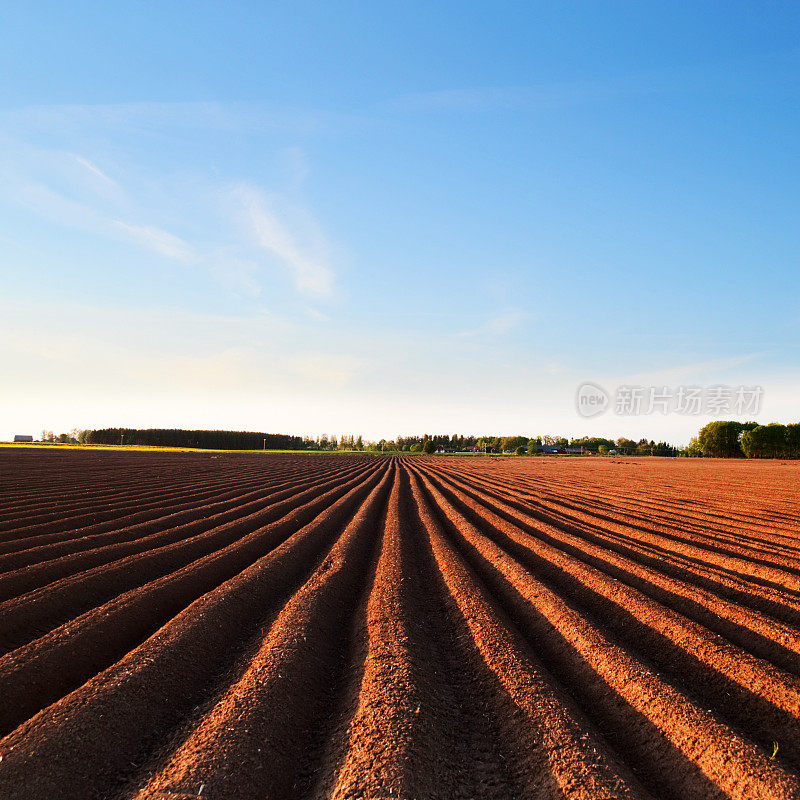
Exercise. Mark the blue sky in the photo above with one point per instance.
(357, 217)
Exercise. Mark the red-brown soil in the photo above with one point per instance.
(215, 626)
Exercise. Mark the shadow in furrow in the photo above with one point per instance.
(96, 735)
(271, 713)
(743, 710)
(662, 766)
(238, 541)
(600, 538)
(752, 641)
(179, 532)
(416, 722)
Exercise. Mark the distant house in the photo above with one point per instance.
(21, 437)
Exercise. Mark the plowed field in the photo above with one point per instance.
(255, 626)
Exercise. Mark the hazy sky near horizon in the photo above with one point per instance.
(393, 219)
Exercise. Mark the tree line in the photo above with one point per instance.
(204, 440)
(717, 439)
(428, 443)
(731, 439)
(525, 445)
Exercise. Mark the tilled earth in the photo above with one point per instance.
(222, 626)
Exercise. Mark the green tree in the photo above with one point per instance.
(428, 447)
(793, 440)
(694, 449)
(626, 447)
(665, 449)
(520, 451)
(511, 443)
(765, 441)
(593, 443)
(720, 439)
(534, 445)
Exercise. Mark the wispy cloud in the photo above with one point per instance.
(93, 168)
(71, 117)
(293, 238)
(700, 371)
(462, 100)
(557, 94)
(146, 118)
(55, 161)
(297, 166)
(316, 314)
(512, 98)
(64, 211)
(157, 240)
(497, 325)
(70, 190)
